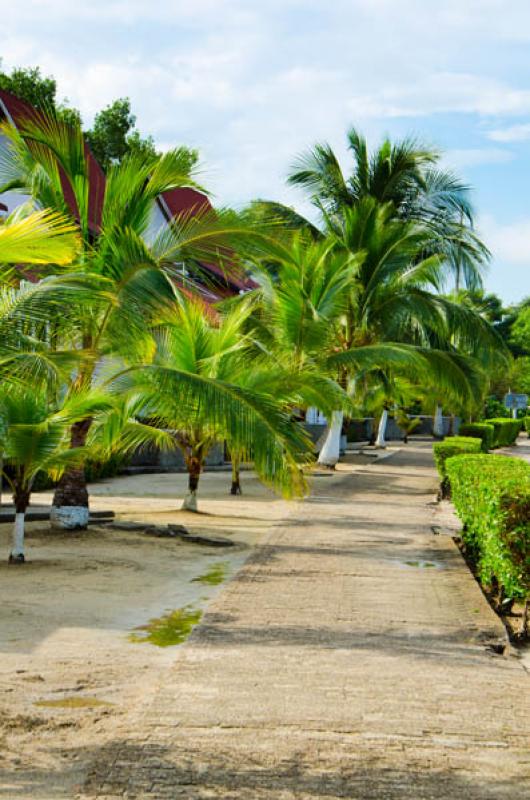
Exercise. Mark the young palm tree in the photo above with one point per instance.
(198, 386)
(35, 439)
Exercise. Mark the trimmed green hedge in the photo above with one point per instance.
(479, 430)
(491, 495)
(453, 446)
(505, 431)
(526, 422)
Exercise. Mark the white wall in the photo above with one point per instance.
(157, 221)
(10, 199)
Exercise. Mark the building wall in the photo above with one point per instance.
(10, 199)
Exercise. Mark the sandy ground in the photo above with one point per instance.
(66, 615)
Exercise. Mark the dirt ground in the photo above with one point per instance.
(66, 616)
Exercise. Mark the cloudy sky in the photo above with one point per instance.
(252, 83)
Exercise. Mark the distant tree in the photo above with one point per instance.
(113, 134)
(520, 329)
(29, 84)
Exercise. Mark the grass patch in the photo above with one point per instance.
(169, 629)
(215, 575)
(73, 702)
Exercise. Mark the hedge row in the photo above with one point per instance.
(453, 446)
(498, 432)
(479, 430)
(526, 421)
(505, 431)
(491, 495)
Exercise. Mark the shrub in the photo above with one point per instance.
(494, 408)
(455, 445)
(526, 422)
(491, 495)
(479, 430)
(505, 431)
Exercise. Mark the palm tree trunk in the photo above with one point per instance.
(438, 422)
(381, 430)
(70, 502)
(21, 501)
(194, 467)
(330, 453)
(236, 486)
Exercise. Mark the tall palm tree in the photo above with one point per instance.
(405, 174)
(361, 301)
(126, 276)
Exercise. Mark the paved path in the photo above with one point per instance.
(349, 658)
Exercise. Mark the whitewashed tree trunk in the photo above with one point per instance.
(381, 431)
(69, 518)
(190, 501)
(330, 453)
(17, 538)
(438, 423)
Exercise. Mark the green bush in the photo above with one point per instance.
(491, 495)
(453, 446)
(505, 431)
(479, 430)
(526, 422)
(494, 408)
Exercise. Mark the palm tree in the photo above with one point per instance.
(360, 301)
(405, 174)
(35, 439)
(123, 276)
(42, 237)
(202, 386)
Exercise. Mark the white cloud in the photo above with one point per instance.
(509, 242)
(514, 133)
(476, 156)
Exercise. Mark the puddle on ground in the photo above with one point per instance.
(73, 702)
(215, 575)
(422, 564)
(169, 629)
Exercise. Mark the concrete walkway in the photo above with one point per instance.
(351, 657)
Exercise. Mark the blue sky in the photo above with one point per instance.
(254, 83)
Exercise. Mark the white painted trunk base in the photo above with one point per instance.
(381, 431)
(17, 536)
(438, 423)
(330, 453)
(190, 502)
(69, 518)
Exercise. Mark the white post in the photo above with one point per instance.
(17, 538)
(330, 453)
(381, 431)
(438, 422)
